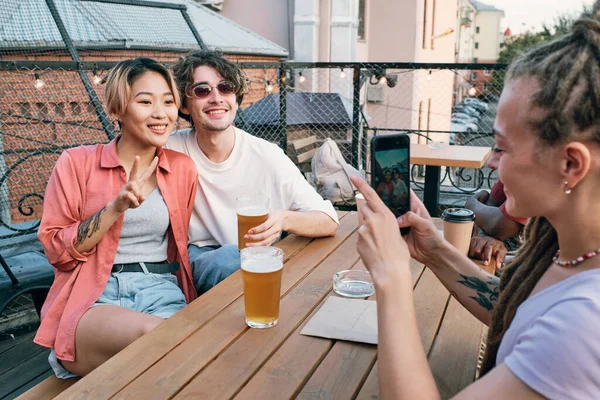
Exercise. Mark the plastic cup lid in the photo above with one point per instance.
(458, 215)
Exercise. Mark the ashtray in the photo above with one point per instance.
(434, 144)
(353, 283)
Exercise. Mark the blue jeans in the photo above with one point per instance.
(212, 264)
(154, 294)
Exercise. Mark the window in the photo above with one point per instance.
(475, 60)
(476, 45)
(486, 72)
(473, 76)
(477, 29)
(361, 20)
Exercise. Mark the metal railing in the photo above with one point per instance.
(51, 99)
(46, 107)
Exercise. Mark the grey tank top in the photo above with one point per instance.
(144, 233)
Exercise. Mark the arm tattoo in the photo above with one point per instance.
(88, 228)
(487, 293)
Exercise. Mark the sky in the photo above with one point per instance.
(523, 15)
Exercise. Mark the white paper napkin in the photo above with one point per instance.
(346, 319)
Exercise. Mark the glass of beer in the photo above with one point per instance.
(252, 210)
(261, 272)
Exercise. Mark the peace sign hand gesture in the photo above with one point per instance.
(131, 195)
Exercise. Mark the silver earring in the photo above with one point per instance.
(567, 188)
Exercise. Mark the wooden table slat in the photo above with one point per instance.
(142, 354)
(370, 389)
(430, 303)
(234, 367)
(449, 156)
(166, 376)
(206, 350)
(452, 360)
(342, 372)
(453, 354)
(286, 372)
(431, 299)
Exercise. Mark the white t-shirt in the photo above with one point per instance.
(553, 343)
(254, 166)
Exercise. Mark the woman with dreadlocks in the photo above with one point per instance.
(544, 312)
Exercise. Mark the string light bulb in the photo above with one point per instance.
(38, 83)
(342, 74)
(429, 76)
(472, 91)
(301, 78)
(382, 80)
(269, 87)
(96, 79)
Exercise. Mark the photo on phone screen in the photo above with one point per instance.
(390, 171)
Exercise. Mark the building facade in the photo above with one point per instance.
(43, 112)
(367, 31)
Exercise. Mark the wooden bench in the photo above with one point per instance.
(301, 152)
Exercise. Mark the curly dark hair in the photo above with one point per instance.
(183, 72)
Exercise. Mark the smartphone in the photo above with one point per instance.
(390, 172)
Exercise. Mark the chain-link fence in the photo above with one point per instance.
(352, 102)
(44, 111)
(54, 53)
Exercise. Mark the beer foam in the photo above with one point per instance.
(263, 266)
(252, 211)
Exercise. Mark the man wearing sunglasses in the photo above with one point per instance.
(232, 163)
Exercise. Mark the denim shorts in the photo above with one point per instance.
(153, 294)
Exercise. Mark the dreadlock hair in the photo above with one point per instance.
(568, 72)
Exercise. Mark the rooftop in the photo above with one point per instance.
(27, 25)
(483, 6)
(303, 108)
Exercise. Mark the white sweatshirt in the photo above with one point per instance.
(254, 166)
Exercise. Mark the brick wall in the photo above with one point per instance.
(60, 114)
(483, 77)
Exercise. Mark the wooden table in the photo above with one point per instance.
(207, 352)
(435, 159)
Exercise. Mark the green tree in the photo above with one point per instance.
(518, 45)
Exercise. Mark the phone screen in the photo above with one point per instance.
(390, 171)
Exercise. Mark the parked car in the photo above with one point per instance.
(478, 107)
(465, 118)
(459, 129)
(460, 125)
(476, 102)
(461, 108)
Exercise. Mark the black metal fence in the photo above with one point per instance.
(46, 107)
(51, 97)
(53, 56)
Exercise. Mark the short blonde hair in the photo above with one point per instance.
(124, 74)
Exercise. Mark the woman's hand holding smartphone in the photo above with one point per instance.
(390, 172)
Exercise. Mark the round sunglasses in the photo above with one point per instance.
(203, 90)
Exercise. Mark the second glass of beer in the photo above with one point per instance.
(252, 210)
(261, 272)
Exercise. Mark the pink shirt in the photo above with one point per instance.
(84, 180)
